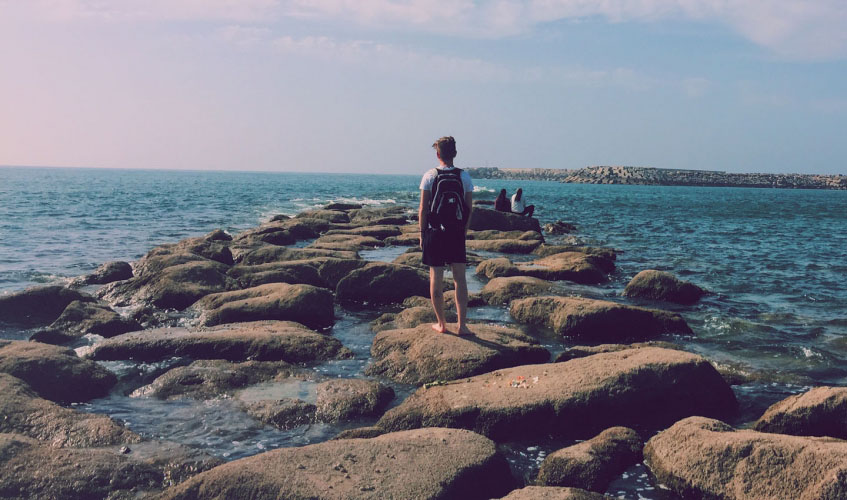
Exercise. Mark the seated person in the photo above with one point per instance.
(501, 204)
(519, 204)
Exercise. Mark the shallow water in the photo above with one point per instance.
(774, 261)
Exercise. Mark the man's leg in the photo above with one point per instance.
(461, 282)
(528, 211)
(436, 293)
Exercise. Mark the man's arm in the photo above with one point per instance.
(423, 212)
(469, 204)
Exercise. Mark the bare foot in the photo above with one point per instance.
(439, 328)
(464, 332)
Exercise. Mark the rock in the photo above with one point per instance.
(503, 246)
(37, 306)
(572, 266)
(174, 287)
(266, 254)
(649, 387)
(304, 228)
(382, 283)
(486, 218)
(346, 242)
(412, 259)
(170, 254)
(593, 464)
(546, 250)
(554, 493)
(559, 228)
(504, 235)
(581, 351)
(821, 411)
(258, 341)
(704, 458)
(503, 290)
(393, 215)
(215, 378)
(23, 412)
(82, 318)
(426, 463)
(412, 239)
(598, 320)
(327, 215)
(378, 232)
(55, 373)
(218, 235)
(360, 433)
(498, 267)
(106, 273)
(421, 355)
(410, 318)
(661, 285)
(306, 304)
(341, 400)
(343, 206)
(286, 413)
(291, 272)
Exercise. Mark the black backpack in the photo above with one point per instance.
(448, 210)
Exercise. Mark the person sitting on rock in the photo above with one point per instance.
(444, 216)
(519, 204)
(501, 204)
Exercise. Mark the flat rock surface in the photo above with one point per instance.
(704, 458)
(554, 493)
(420, 464)
(410, 318)
(597, 320)
(821, 411)
(54, 373)
(648, 387)
(503, 245)
(259, 341)
(382, 283)
(420, 355)
(271, 253)
(37, 306)
(503, 290)
(291, 272)
(570, 266)
(340, 400)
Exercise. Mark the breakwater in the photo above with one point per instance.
(663, 177)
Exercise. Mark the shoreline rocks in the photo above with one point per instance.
(822, 411)
(660, 285)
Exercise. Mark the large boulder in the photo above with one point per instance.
(341, 400)
(426, 463)
(382, 283)
(486, 218)
(327, 215)
(55, 373)
(291, 272)
(346, 242)
(821, 411)
(379, 216)
(82, 318)
(546, 250)
(421, 355)
(378, 232)
(410, 318)
(268, 253)
(571, 266)
(592, 464)
(554, 493)
(284, 413)
(306, 304)
(211, 247)
(504, 290)
(106, 273)
(503, 246)
(662, 285)
(704, 458)
(24, 412)
(581, 351)
(649, 387)
(598, 320)
(259, 341)
(37, 306)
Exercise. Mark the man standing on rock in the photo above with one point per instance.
(444, 215)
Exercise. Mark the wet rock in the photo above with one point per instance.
(305, 228)
(593, 464)
(559, 228)
(341, 400)
(175, 287)
(209, 379)
(382, 283)
(82, 318)
(360, 433)
(208, 247)
(259, 341)
(346, 242)
(378, 232)
(661, 285)
(54, 373)
(572, 266)
(821, 411)
(410, 318)
(704, 458)
(503, 246)
(649, 387)
(106, 273)
(306, 304)
(546, 250)
(504, 235)
(413, 259)
(486, 218)
(37, 306)
(425, 463)
(393, 215)
(503, 290)
(598, 320)
(284, 414)
(499, 267)
(266, 254)
(24, 412)
(554, 493)
(581, 351)
(410, 239)
(291, 272)
(327, 215)
(343, 206)
(421, 355)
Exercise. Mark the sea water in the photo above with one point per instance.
(775, 262)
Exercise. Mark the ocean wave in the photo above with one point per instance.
(483, 189)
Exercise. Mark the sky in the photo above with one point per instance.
(366, 86)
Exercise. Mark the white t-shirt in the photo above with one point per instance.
(429, 178)
(518, 206)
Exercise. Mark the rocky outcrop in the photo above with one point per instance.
(54, 373)
(581, 351)
(210, 247)
(285, 413)
(336, 216)
(592, 464)
(546, 250)
(342, 400)
(306, 304)
(82, 318)
(346, 242)
(421, 355)
(486, 218)
(821, 411)
(413, 259)
(37, 306)
(661, 285)
(644, 388)
(259, 341)
(267, 254)
(504, 290)
(291, 272)
(378, 232)
(554, 493)
(559, 228)
(426, 463)
(571, 266)
(504, 235)
(503, 245)
(106, 273)
(598, 320)
(382, 283)
(372, 216)
(409, 318)
(704, 458)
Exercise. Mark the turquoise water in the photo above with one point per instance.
(775, 260)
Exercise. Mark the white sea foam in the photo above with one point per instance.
(482, 189)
